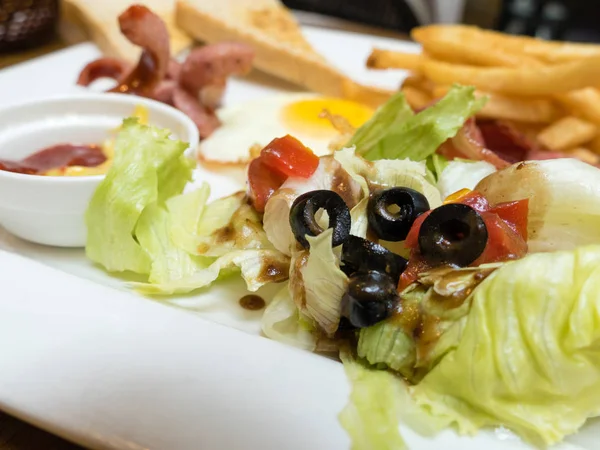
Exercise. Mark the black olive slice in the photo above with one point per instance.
(370, 298)
(303, 221)
(392, 225)
(452, 234)
(360, 255)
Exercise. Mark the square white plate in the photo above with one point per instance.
(87, 359)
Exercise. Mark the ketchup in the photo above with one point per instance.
(56, 157)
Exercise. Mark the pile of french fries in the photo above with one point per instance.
(550, 91)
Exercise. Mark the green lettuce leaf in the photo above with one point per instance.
(528, 357)
(369, 136)
(324, 282)
(168, 262)
(462, 174)
(372, 416)
(257, 267)
(418, 136)
(281, 322)
(148, 168)
(389, 173)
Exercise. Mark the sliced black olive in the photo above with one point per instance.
(303, 221)
(393, 225)
(452, 234)
(360, 255)
(370, 298)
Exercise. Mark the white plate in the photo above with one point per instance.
(85, 358)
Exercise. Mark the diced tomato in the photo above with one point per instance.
(281, 158)
(415, 266)
(514, 214)
(475, 200)
(503, 243)
(290, 156)
(506, 225)
(412, 238)
(263, 181)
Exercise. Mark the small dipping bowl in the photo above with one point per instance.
(50, 210)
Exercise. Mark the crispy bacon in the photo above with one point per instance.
(195, 87)
(206, 69)
(206, 120)
(103, 68)
(145, 29)
(469, 144)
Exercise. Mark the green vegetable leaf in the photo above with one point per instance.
(418, 136)
(324, 282)
(281, 322)
(372, 416)
(529, 353)
(388, 343)
(389, 116)
(148, 168)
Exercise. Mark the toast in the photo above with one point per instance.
(99, 19)
(281, 49)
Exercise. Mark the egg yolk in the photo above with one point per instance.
(303, 116)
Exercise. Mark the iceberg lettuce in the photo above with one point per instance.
(148, 168)
(528, 352)
(395, 133)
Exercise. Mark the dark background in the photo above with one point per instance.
(573, 20)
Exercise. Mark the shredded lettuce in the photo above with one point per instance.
(369, 136)
(281, 322)
(324, 282)
(372, 416)
(528, 357)
(389, 173)
(461, 174)
(148, 168)
(394, 133)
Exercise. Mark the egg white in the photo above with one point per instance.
(257, 122)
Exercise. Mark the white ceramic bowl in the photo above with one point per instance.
(50, 210)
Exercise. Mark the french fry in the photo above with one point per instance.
(419, 82)
(594, 144)
(550, 52)
(452, 45)
(388, 59)
(567, 132)
(415, 97)
(584, 103)
(530, 110)
(584, 154)
(527, 81)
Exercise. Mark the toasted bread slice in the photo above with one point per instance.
(99, 19)
(280, 46)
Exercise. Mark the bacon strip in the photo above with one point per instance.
(103, 68)
(205, 119)
(469, 144)
(145, 29)
(206, 69)
(195, 87)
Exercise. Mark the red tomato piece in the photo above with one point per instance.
(263, 181)
(290, 156)
(475, 200)
(514, 214)
(412, 238)
(415, 266)
(504, 243)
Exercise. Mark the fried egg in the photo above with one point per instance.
(256, 123)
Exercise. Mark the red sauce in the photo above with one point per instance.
(57, 157)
